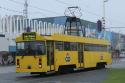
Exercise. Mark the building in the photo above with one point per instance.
(90, 27)
(12, 26)
(4, 43)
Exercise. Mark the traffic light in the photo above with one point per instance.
(99, 25)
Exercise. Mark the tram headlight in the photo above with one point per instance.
(18, 66)
(40, 66)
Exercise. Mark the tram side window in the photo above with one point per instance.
(73, 46)
(103, 48)
(89, 47)
(109, 48)
(59, 46)
(20, 48)
(80, 47)
(49, 43)
(67, 46)
(40, 46)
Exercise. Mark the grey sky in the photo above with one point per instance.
(92, 9)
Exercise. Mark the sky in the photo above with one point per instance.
(92, 10)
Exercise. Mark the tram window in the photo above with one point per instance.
(31, 48)
(100, 48)
(67, 46)
(59, 46)
(89, 47)
(106, 48)
(49, 43)
(73, 46)
(80, 47)
(20, 45)
(109, 48)
(103, 48)
(40, 46)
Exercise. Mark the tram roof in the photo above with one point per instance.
(68, 38)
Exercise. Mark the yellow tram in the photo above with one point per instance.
(38, 53)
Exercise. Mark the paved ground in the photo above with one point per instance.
(7, 69)
(94, 76)
(118, 63)
(8, 75)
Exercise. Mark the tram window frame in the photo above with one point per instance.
(41, 50)
(80, 47)
(73, 46)
(67, 46)
(103, 48)
(94, 47)
(86, 47)
(49, 43)
(59, 45)
(109, 48)
(35, 51)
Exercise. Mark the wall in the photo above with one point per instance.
(4, 44)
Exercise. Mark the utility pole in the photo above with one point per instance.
(103, 18)
(25, 11)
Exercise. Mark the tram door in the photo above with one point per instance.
(50, 54)
(80, 54)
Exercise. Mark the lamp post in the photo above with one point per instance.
(103, 18)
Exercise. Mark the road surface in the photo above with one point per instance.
(8, 75)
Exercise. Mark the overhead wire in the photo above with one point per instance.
(63, 2)
(89, 12)
(16, 2)
(32, 6)
(68, 4)
(59, 1)
(11, 10)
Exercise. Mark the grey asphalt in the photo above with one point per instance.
(8, 75)
(93, 76)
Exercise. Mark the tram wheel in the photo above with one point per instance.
(100, 65)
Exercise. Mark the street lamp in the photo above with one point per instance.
(103, 18)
